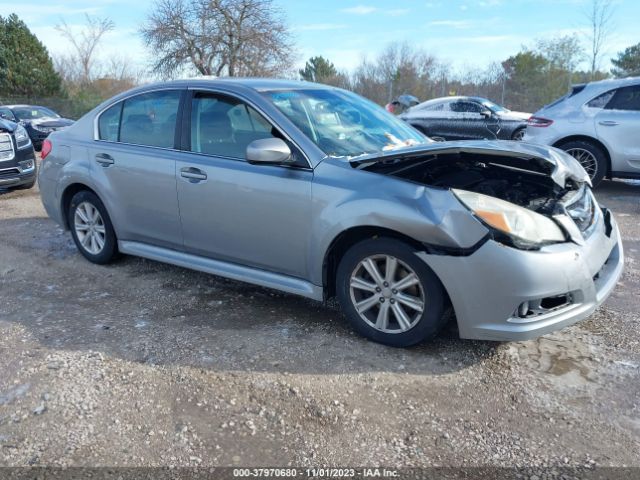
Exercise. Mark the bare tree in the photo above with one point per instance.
(218, 37)
(600, 20)
(84, 44)
(400, 68)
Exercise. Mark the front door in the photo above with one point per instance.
(231, 210)
(618, 126)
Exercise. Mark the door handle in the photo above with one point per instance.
(193, 174)
(609, 123)
(104, 159)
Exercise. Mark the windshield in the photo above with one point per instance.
(33, 113)
(343, 124)
(494, 107)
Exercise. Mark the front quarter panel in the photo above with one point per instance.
(344, 198)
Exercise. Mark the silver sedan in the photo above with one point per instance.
(315, 191)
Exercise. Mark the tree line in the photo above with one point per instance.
(251, 38)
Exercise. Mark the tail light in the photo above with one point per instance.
(46, 149)
(539, 122)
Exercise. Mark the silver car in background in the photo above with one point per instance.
(315, 191)
(598, 124)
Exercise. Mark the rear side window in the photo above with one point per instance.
(601, 100)
(626, 98)
(150, 119)
(109, 123)
(224, 126)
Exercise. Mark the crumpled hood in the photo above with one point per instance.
(559, 165)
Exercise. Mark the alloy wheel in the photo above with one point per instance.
(587, 159)
(387, 294)
(89, 227)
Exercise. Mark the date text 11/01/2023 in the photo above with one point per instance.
(315, 472)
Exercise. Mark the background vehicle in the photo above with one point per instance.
(17, 158)
(316, 191)
(38, 121)
(598, 124)
(461, 118)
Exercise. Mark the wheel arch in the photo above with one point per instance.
(345, 240)
(68, 193)
(587, 138)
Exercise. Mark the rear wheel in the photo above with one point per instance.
(518, 135)
(592, 158)
(390, 295)
(91, 228)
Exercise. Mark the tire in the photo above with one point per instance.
(84, 224)
(370, 322)
(518, 134)
(590, 156)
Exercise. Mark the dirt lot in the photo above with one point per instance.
(144, 364)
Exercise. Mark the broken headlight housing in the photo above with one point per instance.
(522, 227)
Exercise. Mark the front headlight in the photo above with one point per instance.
(519, 223)
(22, 137)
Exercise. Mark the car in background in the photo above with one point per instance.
(315, 191)
(17, 158)
(598, 124)
(38, 121)
(466, 118)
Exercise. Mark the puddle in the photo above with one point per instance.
(567, 362)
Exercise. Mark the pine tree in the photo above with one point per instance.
(26, 69)
(628, 62)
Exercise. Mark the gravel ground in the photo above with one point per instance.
(144, 364)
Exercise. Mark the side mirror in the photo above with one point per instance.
(268, 151)
(486, 113)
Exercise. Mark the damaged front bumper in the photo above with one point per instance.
(502, 293)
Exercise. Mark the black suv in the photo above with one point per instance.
(17, 157)
(38, 121)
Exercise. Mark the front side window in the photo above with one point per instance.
(150, 119)
(466, 107)
(626, 98)
(223, 126)
(343, 124)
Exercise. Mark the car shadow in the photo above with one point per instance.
(156, 314)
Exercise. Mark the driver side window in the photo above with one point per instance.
(223, 126)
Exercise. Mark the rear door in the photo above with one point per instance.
(618, 126)
(231, 210)
(134, 166)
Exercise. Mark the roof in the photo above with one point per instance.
(453, 98)
(258, 84)
(613, 83)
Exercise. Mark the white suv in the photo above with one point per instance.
(598, 123)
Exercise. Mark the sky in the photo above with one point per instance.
(466, 33)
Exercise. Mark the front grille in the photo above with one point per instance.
(9, 173)
(6, 147)
(582, 209)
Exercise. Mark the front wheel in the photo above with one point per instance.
(388, 294)
(91, 228)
